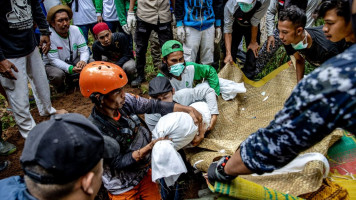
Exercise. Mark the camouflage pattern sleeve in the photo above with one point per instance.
(321, 102)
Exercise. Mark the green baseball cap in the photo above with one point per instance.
(167, 47)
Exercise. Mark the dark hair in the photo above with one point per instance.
(295, 15)
(342, 7)
(47, 191)
(175, 46)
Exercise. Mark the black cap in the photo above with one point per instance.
(159, 85)
(68, 146)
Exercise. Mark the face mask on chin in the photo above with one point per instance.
(246, 7)
(301, 44)
(177, 69)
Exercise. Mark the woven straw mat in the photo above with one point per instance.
(246, 114)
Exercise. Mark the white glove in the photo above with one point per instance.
(217, 35)
(131, 20)
(174, 21)
(181, 34)
(126, 29)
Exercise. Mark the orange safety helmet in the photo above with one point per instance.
(101, 77)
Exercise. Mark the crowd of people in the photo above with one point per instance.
(45, 42)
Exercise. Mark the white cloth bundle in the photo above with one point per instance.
(298, 164)
(229, 89)
(180, 128)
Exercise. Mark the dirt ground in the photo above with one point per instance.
(73, 102)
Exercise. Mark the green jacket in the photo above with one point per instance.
(204, 72)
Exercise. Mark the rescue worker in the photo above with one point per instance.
(305, 43)
(128, 176)
(242, 19)
(272, 44)
(182, 74)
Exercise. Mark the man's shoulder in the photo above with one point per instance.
(14, 187)
(118, 36)
(265, 1)
(336, 74)
(75, 29)
(96, 44)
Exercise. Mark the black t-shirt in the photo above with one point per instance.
(118, 51)
(17, 38)
(321, 49)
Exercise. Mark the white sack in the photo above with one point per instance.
(298, 164)
(180, 128)
(203, 108)
(229, 89)
(166, 162)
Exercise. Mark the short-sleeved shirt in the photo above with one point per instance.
(321, 49)
(320, 103)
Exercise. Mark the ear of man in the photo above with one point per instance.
(300, 30)
(87, 183)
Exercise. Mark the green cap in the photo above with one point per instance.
(167, 47)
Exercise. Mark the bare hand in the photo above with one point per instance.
(61, 111)
(228, 59)
(212, 122)
(77, 69)
(99, 19)
(197, 118)
(5, 69)
(45, 44)
(81, 64)
(270, 41)
(254, 47)
(197, 140)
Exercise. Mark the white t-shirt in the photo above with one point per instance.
(86, 12)
(187, 79)
(60, 48)
(109, 11)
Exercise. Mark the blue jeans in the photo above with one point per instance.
(85, 29)
(174, 192)
(114, 26)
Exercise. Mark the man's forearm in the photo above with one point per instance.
(254, 31)
(132, 5)
(228, 39)
(180, 108)
(300, 67)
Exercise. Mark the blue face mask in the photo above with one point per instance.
(177, 69)
(246, 7)
(301, 44)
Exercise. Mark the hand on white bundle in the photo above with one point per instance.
(180, 128)
(203, 108)
(181, 34)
